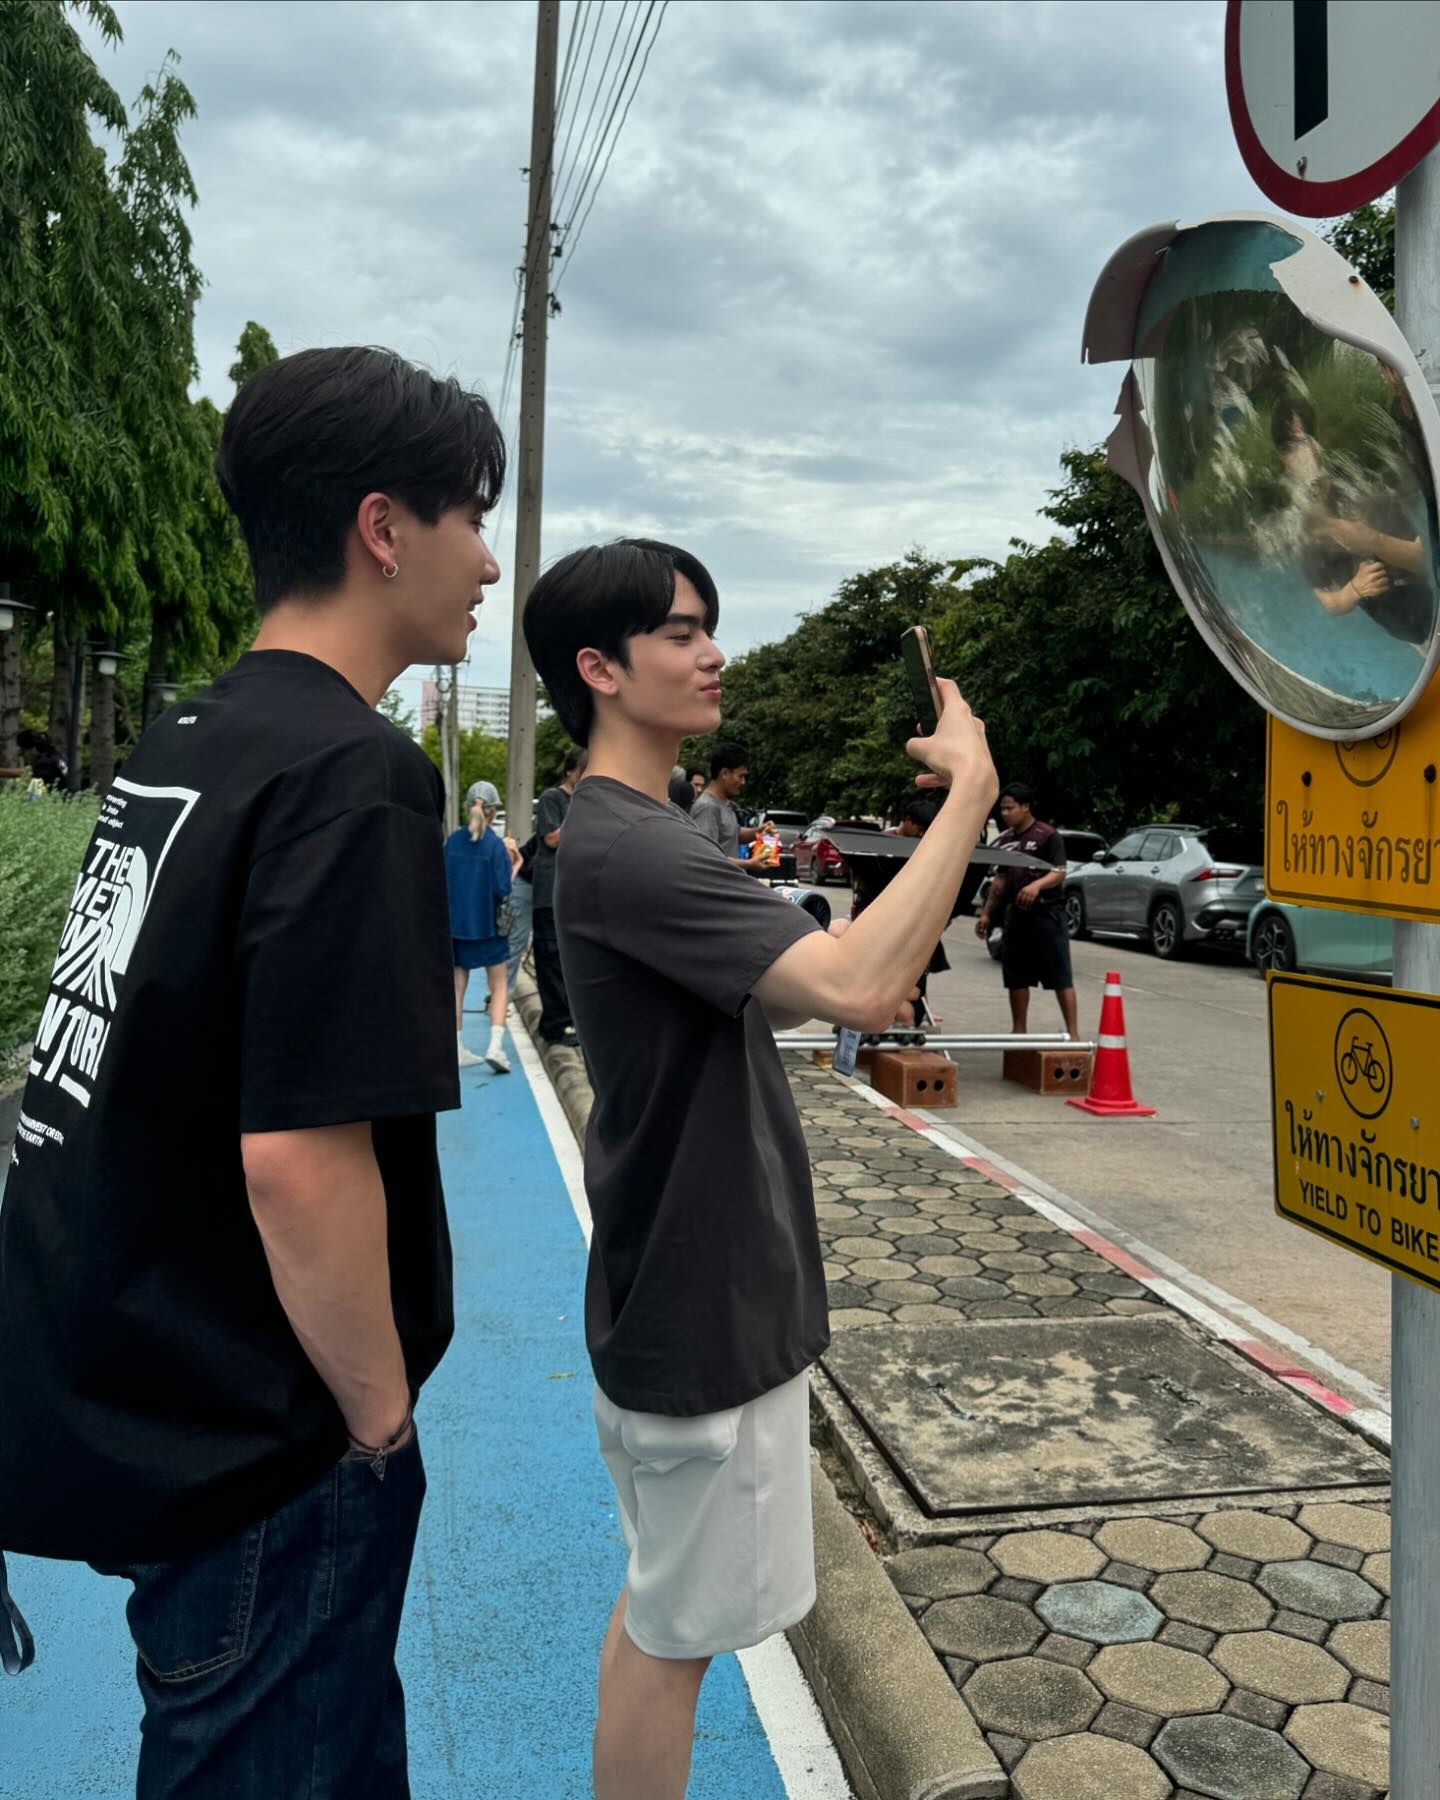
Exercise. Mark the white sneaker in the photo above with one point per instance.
(498, 1061)
(468, 1058)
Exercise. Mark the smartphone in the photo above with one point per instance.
(847, 1047)
(924, 690)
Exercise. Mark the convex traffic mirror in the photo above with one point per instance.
(1281, 435)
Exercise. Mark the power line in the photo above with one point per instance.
(608, 108)
(618, 93)
(577, 19)
(594, 102)
(565, 242)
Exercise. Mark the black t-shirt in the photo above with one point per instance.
(1039, 840)
(706, 1286)
(550, 813)
(258, 941)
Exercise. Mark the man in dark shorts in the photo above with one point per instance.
(1032, 911)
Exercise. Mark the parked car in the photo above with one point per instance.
(1315, 938)
(1173, 885)
(788, 824)
(816, 858)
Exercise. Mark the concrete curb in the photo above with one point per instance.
(564, 1066)
(901, 1728)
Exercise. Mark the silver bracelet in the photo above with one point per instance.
(378, 1453)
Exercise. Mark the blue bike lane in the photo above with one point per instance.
(520, 1554)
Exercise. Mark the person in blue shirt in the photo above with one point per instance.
(477, 874)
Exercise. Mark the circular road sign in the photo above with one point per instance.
(1332, 101)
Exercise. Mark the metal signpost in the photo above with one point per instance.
(1291, 490)
(1414, 1311)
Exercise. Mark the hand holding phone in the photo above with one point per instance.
(924, 689)
(951, 739)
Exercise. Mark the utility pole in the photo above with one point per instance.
(520, 761)
(1415, 1310)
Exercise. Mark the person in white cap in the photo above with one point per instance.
(477, 874)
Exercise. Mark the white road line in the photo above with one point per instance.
(1193, 1294)
(799, 1740)
(557, 1126)
(806, 1759)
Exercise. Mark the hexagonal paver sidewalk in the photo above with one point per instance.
(1235, 1653)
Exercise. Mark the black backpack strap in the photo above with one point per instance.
(17, 1646)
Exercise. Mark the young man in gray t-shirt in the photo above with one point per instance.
(714, 809)
(705, 1297)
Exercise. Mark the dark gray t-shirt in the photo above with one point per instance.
(549, 816)
(716, 818)
(706, 1285)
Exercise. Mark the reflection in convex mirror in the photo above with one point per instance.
(1283, 440)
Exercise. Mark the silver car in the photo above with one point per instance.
(1173, 885)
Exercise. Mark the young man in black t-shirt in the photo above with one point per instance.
(705, 1299)
(556, 1025)
(224, 1264)
(1032, 911)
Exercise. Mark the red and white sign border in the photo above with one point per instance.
(1316, 199)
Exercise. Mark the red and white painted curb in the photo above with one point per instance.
(1373, 1423)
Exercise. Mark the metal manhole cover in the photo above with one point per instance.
(998, 1415)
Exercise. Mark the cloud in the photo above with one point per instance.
(828, 303)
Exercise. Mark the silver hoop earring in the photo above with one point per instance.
(390, 571)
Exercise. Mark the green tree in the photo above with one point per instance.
(552, 746)
(1366, 239)
(393, 706)
(824, 714)
(482, 758)
(1092, 682)
(256, 350)
(109, 516)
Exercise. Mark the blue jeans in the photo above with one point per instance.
(522, 903)
(267, 1664)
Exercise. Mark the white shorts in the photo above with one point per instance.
(716, 1515)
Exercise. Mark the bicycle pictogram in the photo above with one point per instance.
(1364, 1063)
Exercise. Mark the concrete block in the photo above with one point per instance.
(914, 1077)
(1049, 1071)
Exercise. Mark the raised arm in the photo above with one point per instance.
(862, 978)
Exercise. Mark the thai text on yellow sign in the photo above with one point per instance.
(1356, 1114)
(1357, 825)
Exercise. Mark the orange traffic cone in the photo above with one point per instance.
(1110, 1092)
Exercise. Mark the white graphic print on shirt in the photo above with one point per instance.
(116, 885)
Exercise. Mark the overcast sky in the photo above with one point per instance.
(829, 301)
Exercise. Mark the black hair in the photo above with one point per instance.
(574, 759)
(922, 813)
(726, 756)
(690, 774)
(596, 599)
(309, 436)
(28, 738)
(1291, 407)
(1020, 792)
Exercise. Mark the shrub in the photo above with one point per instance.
(42, 844)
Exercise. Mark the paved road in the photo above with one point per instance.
(1194, 1183)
